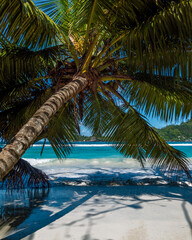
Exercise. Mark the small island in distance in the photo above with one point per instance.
(171, 133)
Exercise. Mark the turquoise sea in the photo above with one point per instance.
(94, 162)
(93, 150)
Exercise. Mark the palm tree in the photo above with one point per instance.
(99, 62)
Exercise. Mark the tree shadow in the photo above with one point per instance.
(66, 199)
(17, 205)
(135, 193)
(187, 216)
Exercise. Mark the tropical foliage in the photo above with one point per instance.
(180, 132)
(136, 56)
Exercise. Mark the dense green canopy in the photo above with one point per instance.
(135, 53)
(180, 132)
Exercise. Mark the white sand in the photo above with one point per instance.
(110, 213)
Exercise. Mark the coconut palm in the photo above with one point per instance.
(102, 63)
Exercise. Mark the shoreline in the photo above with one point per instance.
(106, 212)
(98, 202)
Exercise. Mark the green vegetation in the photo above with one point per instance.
(182, 132)
(96, 62)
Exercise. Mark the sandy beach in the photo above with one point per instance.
(110, 213)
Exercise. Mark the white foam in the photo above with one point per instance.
(40, 145)
(93, 162)
(93, 145)
(106, 145)
(79, 145)
(36, 161)
(181, 144)
(101, 145)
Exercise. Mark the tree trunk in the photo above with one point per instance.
(12, 152)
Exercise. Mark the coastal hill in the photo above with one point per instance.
(182, 132)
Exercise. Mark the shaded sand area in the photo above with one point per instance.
(98, 213)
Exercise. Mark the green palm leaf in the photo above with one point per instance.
(61, 131)
(136, 138)
(19, 65)
(27, 25)
(130, 53)
(132, 135)
(154, 97)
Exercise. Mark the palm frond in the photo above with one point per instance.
(26, 25)
(24, 92)
(146, 29)
(174, 63)
(136, 138)
(158, 96)
(19, 64)
(16, 112)
(24, 175)
(147, 38)
(94, 113)
(60, 11)
(61, 131)
(133, 136)
(153, 25)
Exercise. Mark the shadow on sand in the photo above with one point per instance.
(44, 208)
(16, 206)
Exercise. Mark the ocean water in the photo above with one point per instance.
(95, 163)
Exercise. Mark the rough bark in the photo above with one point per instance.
(12, 152)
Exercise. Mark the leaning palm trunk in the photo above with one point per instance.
(12, 152)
